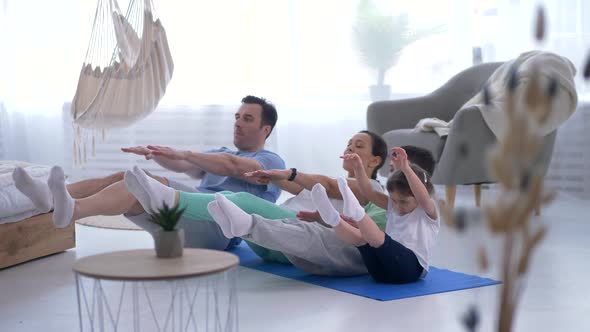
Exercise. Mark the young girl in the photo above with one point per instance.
(401, 253)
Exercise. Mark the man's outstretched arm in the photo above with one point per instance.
(220, 163)
(175, 165)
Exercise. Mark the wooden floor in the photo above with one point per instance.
(40, 295)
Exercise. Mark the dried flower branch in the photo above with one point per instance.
(540, 24)
(471, 318)
(522, 192)
(587, 68)
(482, 258)
(513, 163)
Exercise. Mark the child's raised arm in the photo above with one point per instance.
(378, 198)
(400, 161)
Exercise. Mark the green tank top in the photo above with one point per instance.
(378, 215)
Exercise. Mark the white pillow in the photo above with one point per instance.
(13, 204)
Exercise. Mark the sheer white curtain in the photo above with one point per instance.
(300, 54)
(42, 44)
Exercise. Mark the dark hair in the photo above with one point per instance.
(379, 149)
(397, 181)
(420, 157)
(269, 112)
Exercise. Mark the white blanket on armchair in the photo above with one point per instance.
(550, 66)
(440, 127)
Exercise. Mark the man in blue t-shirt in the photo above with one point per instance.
(223, 169)
(220, 169)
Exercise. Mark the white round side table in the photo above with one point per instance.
(134, 290)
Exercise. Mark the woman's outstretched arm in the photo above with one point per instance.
(305, 181)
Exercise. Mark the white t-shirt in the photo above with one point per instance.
(415, 230)
(304, 202)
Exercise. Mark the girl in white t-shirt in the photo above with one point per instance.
(401, 253)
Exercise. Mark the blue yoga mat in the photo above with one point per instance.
(437, 280)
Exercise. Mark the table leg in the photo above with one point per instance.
(77, 276)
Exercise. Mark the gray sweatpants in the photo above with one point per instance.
(308, 245)
(197, 234)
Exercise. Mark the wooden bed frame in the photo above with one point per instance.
(33, 238)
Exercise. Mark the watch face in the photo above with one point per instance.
(293, 174)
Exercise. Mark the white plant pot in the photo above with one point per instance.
(380, 92)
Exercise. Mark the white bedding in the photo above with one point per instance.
(14, 206)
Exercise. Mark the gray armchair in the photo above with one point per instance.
(461, 156)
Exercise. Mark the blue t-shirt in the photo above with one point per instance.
(268, 160)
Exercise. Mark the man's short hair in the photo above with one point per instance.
(420, 157)
(269, 112)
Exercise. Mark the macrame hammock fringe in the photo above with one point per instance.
(125, 73)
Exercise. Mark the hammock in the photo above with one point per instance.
(126, 69)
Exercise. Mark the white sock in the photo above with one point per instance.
(137, 190)
(324, 206)
(63, 210)
(240, 221)
(352, 207)
(220, 219)
(159, 194)
(36, 190)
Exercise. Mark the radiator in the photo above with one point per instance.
(569, 170)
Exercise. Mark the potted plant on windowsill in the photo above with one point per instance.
(169, 241)
(380, 38)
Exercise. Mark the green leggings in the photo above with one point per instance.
(195, 205)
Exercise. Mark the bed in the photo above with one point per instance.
(25, 234)
(32, 238)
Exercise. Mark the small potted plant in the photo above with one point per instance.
(169, 241)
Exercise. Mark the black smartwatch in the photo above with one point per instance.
(293, 174)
